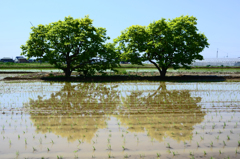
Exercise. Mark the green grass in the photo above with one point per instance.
(128, 67)
(181, 70)
(25, 65)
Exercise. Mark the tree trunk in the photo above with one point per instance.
(67, 72)
(161, 72)
(155, 66)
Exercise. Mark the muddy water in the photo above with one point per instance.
(120, 120)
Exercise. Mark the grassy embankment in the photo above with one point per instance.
(124, 68)
(25, 65)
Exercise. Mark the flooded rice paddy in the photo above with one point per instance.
(119, 120)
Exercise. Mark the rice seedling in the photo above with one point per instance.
(17, 153)
(76, 156)
(34, 149)
(211, 144)
(204, 152)
(123, 148)
(94, 148)
(110, 156)
(224, 143)
(174, 154)
(142, 155)
(109, 147)
(126, 156)
(40, 140)
(213, 126)
(191, 153)
(158, 155)
(168, 145)
(220, 152)
(59, 157)
(228, 137)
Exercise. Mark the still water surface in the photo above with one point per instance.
(129, 119)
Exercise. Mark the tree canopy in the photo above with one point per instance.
(174, 43)
(72, 45)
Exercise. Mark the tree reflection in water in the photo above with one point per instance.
(162, 113)
(77, 111)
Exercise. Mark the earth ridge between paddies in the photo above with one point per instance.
(142, 76)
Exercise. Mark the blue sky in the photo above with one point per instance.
(219, 20)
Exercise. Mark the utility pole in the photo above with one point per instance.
(31, 24)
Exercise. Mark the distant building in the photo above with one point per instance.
(31, 60)
(18, 57)
(6, 59)
(237, 64)
(217, 62)
(21, 59)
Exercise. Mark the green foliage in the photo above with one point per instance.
(174, 43)
(72, 44)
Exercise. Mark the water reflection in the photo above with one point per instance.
(77, 111)
(162, 113)
(84, 98)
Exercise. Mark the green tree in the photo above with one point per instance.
(174, 43)
(72, 44)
